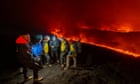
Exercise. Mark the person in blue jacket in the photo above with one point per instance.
(37, 49)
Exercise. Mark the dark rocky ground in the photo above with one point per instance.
(96, 65)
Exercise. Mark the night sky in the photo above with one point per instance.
(45, 14)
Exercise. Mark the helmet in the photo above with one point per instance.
(47, 37)
(39, 37)
(54, 38)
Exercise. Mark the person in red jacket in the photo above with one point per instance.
(25, 58)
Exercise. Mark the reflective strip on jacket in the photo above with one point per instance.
(72, 48)
(46, 48)
(63, 46)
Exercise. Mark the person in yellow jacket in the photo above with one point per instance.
(63, 51)
(71, 54)
(46, 50)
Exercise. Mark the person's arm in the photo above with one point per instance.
(51, 44)
(57, 43)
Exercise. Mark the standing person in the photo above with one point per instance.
(71, 54)
(79, 46)
(54, 45)
(63, 51)
(37, 49)
(25, 58)
(46, 50)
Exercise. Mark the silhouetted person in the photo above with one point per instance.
(54, 45)
(63, 51)
(46, 50)
(25, 58)
(37, 49)
(71, 54)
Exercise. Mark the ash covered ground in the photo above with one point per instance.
(96, 65)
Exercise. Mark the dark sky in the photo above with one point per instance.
(100, 14)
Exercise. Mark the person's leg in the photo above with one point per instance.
(25, 72)
(48, 60)
(57, 57)
(62, 59)
(35, 73)
(26, 77)
(43, 58)
(36, 79)
(67, 62)
(74, 61)
(52, 56)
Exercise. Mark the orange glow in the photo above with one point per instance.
(82, 26)
(125, 28)
(118, 50)
(90, 40)
(57, 32)
(118, 28)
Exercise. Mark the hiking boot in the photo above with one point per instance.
(66, 68)
(57, 61)
(62, 65)
(50, 65)
(44, 66)
(74, 66)
(37, 82)
(20, 70)
(28, 78)
(38, 79)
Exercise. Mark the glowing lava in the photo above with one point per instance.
(92, 41)
(118, 28)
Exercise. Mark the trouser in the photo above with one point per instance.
(48, 58)
(31, 64)
(35, 73)
(62, 58)
(68, 60)
(36, 67)
(39, 60)
(54, 54)
(25, 72)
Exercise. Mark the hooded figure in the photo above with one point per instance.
(54, 45)
(46, 50)
(63, 51)
(23, 50)
(71, 54)
(37, 49)
(25, 58)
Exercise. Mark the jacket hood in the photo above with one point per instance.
(21, 40)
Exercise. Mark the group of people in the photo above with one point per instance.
(45, 50)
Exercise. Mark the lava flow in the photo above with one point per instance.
(93, 40)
